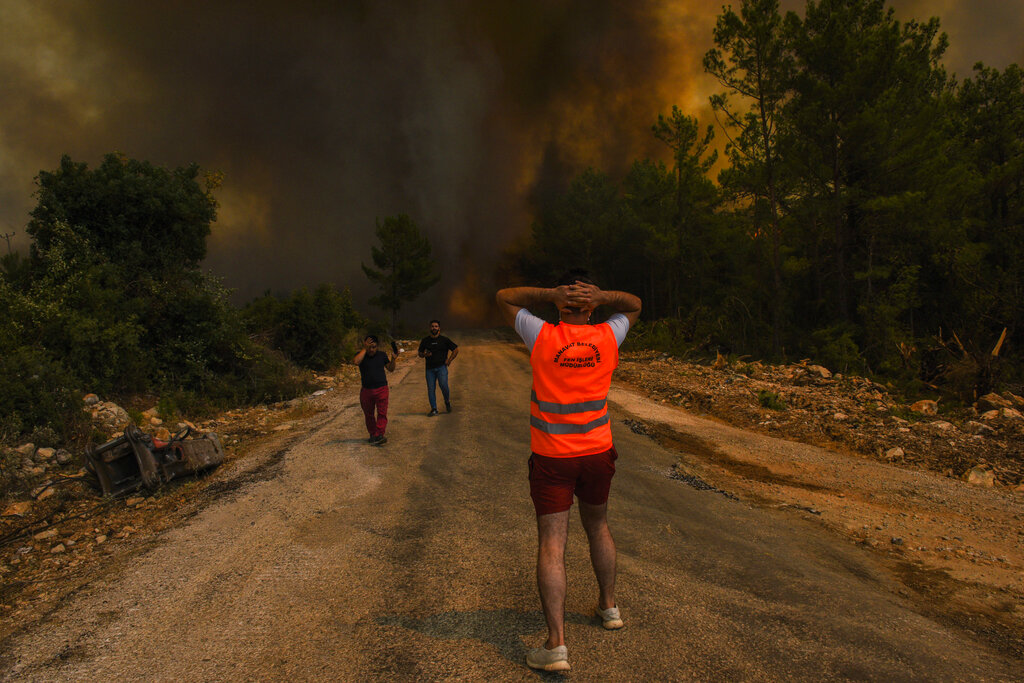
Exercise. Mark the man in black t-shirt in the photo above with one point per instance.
(435, 349)
(373, 397)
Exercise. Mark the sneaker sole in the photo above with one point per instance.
(610, 624)
(553, 666)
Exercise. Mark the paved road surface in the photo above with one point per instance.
(414, 562)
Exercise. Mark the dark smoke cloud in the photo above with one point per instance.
(324, 116)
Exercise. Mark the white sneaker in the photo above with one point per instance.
(610, 618)
(548, 660)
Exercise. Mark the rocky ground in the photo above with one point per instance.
(807, 403)
(60, 534)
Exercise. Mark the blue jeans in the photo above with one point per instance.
(437, 376)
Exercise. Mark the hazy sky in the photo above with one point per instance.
(324, 116)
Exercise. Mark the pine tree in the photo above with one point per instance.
(405, 268)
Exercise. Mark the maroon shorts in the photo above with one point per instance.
(553, 481)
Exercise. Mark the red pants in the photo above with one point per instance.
(371, 399)
(554, 481)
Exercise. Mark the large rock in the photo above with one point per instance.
(894, 453)
(820, 371)
(1012, 414)
(63, 457)
(993, 402)
(942, 425)
(925, 407)
(26, 449)
(17, 509)
(990, 415)
(44, 454)
(979, 476)
(111, 415)
(978, 428)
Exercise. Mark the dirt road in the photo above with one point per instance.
(414, 562)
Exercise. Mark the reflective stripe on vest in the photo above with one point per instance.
(568, 408)
(559, 428)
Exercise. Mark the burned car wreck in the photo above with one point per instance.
(137, 460)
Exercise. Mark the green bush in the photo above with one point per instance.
(310, 328)
(770, 400)
(36, 393)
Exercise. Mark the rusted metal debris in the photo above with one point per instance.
(137, 460)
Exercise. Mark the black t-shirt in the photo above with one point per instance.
(439, 347)
(371, 370)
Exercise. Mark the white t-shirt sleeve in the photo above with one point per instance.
(620, 326)
(528, 326)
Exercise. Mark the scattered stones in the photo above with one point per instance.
(46, 535)
(45, 454)
(979, 476)
(58, 549)
(1012, 414)
(282, 427)
(163, 434)
(135, 501)
(47, 492)
(26, 449)
(925, 407)
(839, 417)
(990, 415)
(942, 425)
(63, 457)
(102, 538)
(895, 540)
(155, 421)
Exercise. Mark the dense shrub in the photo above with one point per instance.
(112, 301)
(312, 329)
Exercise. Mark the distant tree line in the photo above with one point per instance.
(870, 211)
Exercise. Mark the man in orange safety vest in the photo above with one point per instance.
(570, 438)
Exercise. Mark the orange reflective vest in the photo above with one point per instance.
(572, 371)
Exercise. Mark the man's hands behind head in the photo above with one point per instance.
(577, 297)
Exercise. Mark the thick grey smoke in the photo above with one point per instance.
(324, 116)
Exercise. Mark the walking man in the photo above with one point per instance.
(570, 438)
(435, 348)
(373, 397)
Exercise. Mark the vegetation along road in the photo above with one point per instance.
(415, 561)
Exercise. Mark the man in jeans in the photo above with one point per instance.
(570, 438)
(373, 397)
(435, 348)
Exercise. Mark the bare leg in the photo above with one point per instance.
(552, 531)
(602, 550)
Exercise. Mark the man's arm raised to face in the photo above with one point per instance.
(362, 353)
